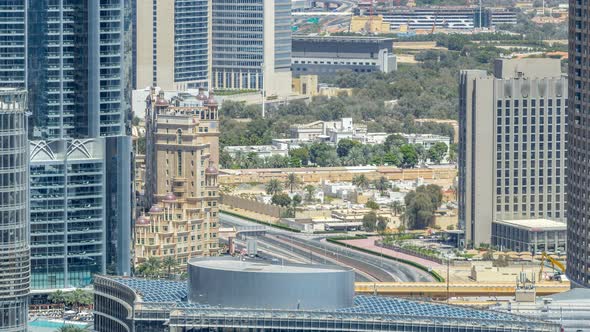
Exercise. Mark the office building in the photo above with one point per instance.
(13, 29)
(78, 78)
(453, 18)
(288, 297)
(172, 44)
(252, 45)
(512, 137)
(326, 56)
(578, 176)
(182, 140)
(531, 235)
(14, 212)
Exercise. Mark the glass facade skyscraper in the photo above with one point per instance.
(14, 233)
(578, 174)
(78, 57)
(172, 43)
(252, 37)
(13, 27)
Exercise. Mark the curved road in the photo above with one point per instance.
(318, 250)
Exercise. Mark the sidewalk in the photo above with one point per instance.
(369, 243)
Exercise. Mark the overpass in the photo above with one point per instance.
(439, 290)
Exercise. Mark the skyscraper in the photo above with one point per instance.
(14, 216)
(181, 179)
(172, 44)
(252, 40)
(578, 176)
(512, 141)
(78, 77)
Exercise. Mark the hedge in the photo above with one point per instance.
(266, 223)
(433, 273)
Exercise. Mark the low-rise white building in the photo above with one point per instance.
(261, 151)
(428, 141)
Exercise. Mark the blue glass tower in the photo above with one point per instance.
(76, 65)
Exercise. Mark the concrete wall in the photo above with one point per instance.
(251, 205)
(335, 174)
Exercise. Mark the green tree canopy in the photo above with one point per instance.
(273, 187)
(281, 199)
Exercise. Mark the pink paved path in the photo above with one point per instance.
(369, 243)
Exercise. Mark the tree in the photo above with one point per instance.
(372, 205)
(409, 156)
(394, 141)
(381, 224)
(360, 181)
(292, 181)
(309, 192)
(301, 154)
(169, 263)
(57, 297)
(78, 298)
(281, 199)
(396, 207)
(273, 187)
(453, 153)
(150, 268)
(370, 221)
(296, 200)
(345, 145)
(437, 152)
(381, 184)
(421, 204)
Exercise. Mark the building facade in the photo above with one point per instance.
(578, 178)
(326, 56)
(77, 72)
(252, 45)
(532, 235)
(14, 212)
(181, 179)
(172, 44)
(512, 137)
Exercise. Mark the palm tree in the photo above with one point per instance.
(360, 181)
(382, 184)
(169, 263)
(273, 187)
(292, 181)
(78, 297)
(150, 268)
(57, 297)
(310, 192)
(396, 207)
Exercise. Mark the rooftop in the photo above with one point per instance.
(233, 264)
(535, 224)
(165, 292)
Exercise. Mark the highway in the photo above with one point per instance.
(282, 244)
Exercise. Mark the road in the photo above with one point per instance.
(312, 248)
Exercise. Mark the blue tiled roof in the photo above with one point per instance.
(164, 291)
(398, 306)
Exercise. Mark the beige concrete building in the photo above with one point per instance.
(172, 47)
(511, 145)
(182, 153)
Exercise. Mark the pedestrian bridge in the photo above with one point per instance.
(439, 290)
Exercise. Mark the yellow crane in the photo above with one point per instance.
(554, 263)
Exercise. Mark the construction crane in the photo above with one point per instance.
(554, 263)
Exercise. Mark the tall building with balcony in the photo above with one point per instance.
(13, 38)
(14, 212)
(252, 45)
(182, 140)
(578, 176)
(172, 44)
(77, 72)
(512, 145)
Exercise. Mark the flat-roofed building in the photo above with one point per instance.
(532, 235)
